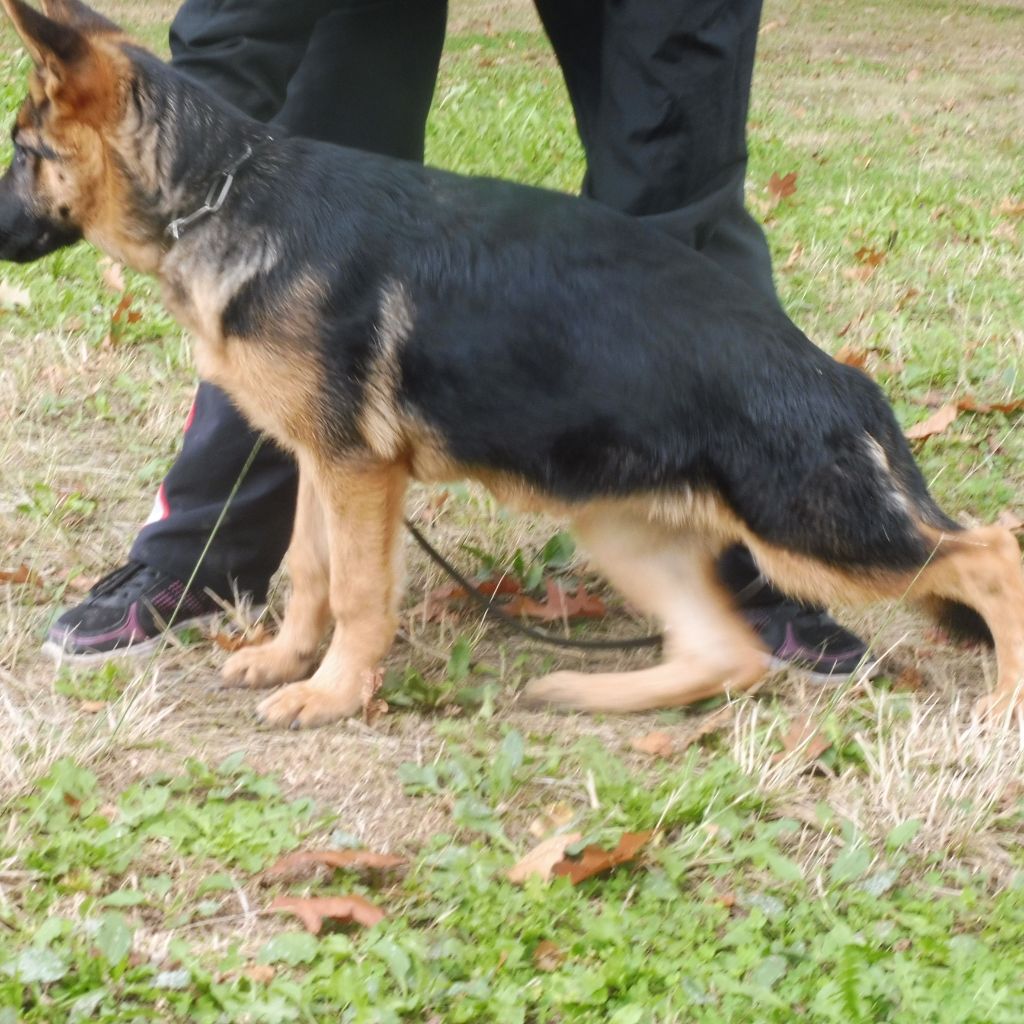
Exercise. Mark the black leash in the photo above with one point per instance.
(509, 622)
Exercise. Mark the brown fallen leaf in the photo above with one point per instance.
(596, 860)
(909, 680)
(937, 423)
(804, 739)
(541, 860)
(547, 956)
(235, 641)
(655, 744)
(22, 575)
(969, 404)
(315, 911)
(559, 605)
(1010, 208)
(870, 257)
(113, 275)
(860, 273)
(852, 355)
(906, 298)
(1010, 521)
(260, 974)
(373, 706)
(307, 863)
(454, 595)
(780, 188)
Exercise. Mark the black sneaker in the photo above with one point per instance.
(803, 637)
(127, 613)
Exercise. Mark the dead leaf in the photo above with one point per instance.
(92, 707)
(780, 188)
(793, 258)
(113, 275)
(803, 738)
(906, 298)
(937, 423)
(22, 575)
(123, 312)
(315, 911)
(373, 706)
(852, 355)
(559, 605)
(13, 297)
(1010, 208)
(869, 257)
(307, 863)
(595, 860)
(547, 956)
(909, 680)
(454, 595)
(235, 641)
(861, 273)
(1010, 521)
(542, 859)
(655, 744)
(260, 974)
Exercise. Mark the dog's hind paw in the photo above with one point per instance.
(302, 705)
(270, 664)
(558, 690)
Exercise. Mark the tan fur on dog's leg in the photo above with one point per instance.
(363, 512)
(983, 572)
(292, 653)
(709, 649)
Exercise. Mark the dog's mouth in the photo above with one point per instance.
(28, 246)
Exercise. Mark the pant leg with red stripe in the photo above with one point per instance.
(358, 73)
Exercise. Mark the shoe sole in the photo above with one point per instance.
(866, 670)
(61, 656)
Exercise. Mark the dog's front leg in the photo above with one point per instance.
(292, 653)
(362, 510)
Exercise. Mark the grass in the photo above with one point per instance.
(139, 805)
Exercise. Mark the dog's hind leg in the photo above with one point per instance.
(362, 511)
(668, 573)
(292, 653)
(978, 570)
(982, 570)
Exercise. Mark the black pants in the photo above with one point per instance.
(660, 92)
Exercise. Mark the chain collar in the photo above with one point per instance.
(215, 197)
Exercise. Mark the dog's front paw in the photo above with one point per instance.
(267, 665)
(302, 705)
(559, 689)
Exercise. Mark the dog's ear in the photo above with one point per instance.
(53, 46)
(79, 78)
(80, 16)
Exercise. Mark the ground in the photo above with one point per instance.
(140, 804)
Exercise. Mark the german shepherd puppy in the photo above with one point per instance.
(385, 321)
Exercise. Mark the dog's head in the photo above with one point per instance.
(59, 177)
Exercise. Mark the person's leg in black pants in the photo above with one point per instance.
(359, 73)
(660, 92)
